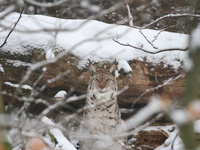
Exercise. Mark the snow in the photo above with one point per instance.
(60, 94)
(18, 63)
(26, 87)
(63, 143)
(123, 64)
(91, 39)
(50, 54)
(178, 144)
(1, 68)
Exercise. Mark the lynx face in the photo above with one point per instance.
(103, 81)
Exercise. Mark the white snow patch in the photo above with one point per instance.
(90, 39)
(49, 54)
(60, 94)
(1, 68)
(123, 64)
(27, 87)
(18, 63)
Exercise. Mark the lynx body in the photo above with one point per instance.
(102, 121)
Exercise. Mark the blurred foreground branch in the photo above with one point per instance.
(191, 89)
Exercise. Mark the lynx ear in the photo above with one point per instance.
(92, 69)
(112, 69)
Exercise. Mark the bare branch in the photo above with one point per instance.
(93, 105)
(60, 103)
(7, 11)
(13, 28)
(170, 16)
(149, 52)
(130, 17)
(47, 5)
(148, 40)
(156, 37)
(172, 145)
(157, 87)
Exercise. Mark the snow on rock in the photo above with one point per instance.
(18, 63)
(1, 68)
(173, 138)
(49, 54)
(90, 39)
(123, 64)
(26, 87)
(60, 95)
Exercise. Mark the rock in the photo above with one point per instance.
(149, 140)
(144, 76)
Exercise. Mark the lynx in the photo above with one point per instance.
(102, 122)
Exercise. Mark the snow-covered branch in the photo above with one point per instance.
(156, 105)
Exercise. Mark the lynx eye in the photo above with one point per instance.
(107, 80)
(96, 80)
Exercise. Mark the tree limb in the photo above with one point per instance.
(170, 16)
(5, 41)
(7, 11)
(46, 5)
(149, 52)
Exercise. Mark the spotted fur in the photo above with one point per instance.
(102, 121)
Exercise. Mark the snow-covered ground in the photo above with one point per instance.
(91, 39)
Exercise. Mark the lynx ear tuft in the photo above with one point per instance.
(112, 69)
(93, 69)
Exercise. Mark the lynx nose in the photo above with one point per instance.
(102, 85)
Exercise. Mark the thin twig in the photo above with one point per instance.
(130, 17)
(149, 52)
(170, 16)
(156, 37)
(172, 145)
(46, 5)
(157, 87)
(148, 40)
(7, 11)
(5, 41)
